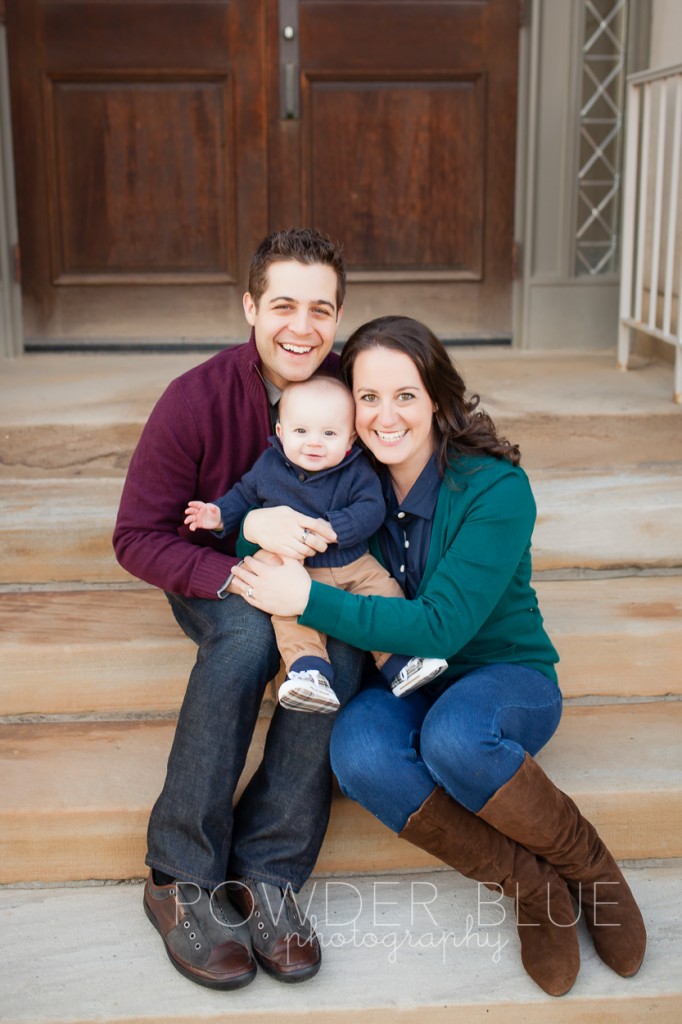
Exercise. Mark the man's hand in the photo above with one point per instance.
(202, 515)
(287, 533)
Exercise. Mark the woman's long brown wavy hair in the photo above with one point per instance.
(460, 428)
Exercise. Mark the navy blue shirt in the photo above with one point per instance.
(405, 536)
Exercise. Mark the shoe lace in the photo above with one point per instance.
(413, 665)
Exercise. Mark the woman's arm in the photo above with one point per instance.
(474, 571)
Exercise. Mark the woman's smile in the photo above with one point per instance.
(391, 438)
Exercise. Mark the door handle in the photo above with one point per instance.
(289, 69)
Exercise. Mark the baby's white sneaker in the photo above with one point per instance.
(308, 691)
(416, 673)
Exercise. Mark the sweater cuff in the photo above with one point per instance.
(324, 607)
(345, 528)
(211, 574)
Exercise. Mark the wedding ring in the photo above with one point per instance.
(303, 538)
(249, 592)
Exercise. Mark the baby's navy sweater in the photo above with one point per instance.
(348, 496)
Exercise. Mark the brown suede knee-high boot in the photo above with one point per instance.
(545, 918)
(530, 809)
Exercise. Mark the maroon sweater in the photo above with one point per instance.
(207, 429)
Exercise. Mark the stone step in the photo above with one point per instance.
(547, 440)
(59, 531)
(397, 949)
(608, 520)
(564, 409)
(76, 795)
(104, 651)
(74, 652)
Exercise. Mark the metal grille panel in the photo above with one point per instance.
(601, 136)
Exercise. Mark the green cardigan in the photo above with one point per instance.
(475, 605)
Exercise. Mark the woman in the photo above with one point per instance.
(451, 768)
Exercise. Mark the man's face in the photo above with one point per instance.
(295, 321)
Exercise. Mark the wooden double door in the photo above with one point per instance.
(157, 141)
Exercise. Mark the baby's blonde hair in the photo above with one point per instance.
(318, 383)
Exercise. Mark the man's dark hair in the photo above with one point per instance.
(305, 245)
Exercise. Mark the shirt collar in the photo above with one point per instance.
(423, 496)
(274, 393)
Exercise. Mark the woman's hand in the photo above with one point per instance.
(286, 532)
(277, 589)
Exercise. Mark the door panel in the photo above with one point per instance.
(152, 155)
(142, 158)
(131, 202)
(405, 150)
(411, 201)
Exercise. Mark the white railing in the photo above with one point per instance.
(651, 270)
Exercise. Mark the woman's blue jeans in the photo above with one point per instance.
(275, 831)
(389, 753)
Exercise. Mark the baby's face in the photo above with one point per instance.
(316, 429)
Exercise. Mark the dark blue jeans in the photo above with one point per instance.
(389, 753)
(275, 831)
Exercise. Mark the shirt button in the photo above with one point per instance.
(407, 543)
(301, 476)
(401, 515)
(402, 568)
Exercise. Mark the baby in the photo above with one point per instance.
(313, 467)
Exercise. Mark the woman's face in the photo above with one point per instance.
(393, 410)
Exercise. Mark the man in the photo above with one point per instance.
(206, 431)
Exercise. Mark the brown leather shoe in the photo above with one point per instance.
(282, 938)
(204, 937)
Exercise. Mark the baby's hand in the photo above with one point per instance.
(202, 515)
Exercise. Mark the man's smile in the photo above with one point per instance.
(299, 350)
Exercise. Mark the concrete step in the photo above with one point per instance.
(76, 795)
(74, 652)
(547, 440)
(57, 531)
(397, 949)
(104, 651)
(608, 520)
(70, 415)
